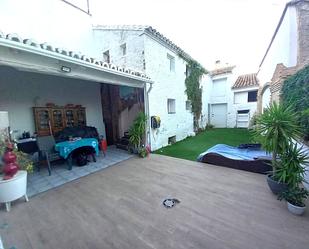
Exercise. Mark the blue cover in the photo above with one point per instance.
(65, 148)
(236, 153)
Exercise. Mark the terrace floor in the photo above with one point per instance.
(121, 207)
(41, 181)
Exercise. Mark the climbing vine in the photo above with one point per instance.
(295, 92)
(194, 90)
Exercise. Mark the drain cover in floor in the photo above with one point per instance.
(169, 203)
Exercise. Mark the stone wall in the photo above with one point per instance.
(303, 31)
(150, 56)
(168, 85)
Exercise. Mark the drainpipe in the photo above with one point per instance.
(147, 112)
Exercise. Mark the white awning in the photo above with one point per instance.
(28, 55)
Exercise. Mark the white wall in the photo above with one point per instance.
(111, 40)
(241, 103)
(283, 49)
(266, 97)
(168, 85)
(222, 94)
(71, 29)
(205, 100)
(225, 94)
(220, 89)
(143, 49)
(20, 91)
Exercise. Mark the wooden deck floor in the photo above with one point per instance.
(121, 207)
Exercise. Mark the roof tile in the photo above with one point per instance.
(222, 70)
(72, 54)
(246, 80)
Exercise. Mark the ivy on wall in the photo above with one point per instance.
(295, 92)
(193, 88)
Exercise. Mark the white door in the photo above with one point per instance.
(218, 115)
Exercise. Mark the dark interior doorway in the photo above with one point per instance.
(120, 105)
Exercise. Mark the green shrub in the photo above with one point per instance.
(295, 92)
(209, 126)
(275, 129)
(296, 196)
(137, 130)
(291, 170)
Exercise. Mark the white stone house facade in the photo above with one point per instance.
(288, 51)
(145, 49)
(231, 100)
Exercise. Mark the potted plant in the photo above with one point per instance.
(292, 171)
(144, 151)
(295, 198)
(276, 129)
(137, 133)
(22, 159)
(15, 166)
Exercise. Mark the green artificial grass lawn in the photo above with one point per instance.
(191, 147)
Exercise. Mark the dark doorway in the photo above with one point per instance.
(120, 105)
(107, 109)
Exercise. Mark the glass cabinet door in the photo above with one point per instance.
(42, 121)
(70, 117)
(81, 117)
(57, 119)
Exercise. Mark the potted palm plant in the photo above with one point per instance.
(292, 170)
(295, 198)
(276, 129)
(137, 133)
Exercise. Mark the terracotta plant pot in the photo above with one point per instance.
(276, 187)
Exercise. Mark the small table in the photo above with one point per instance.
(27, 145)
(65, 148)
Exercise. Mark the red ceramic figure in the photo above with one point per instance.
(10, 166)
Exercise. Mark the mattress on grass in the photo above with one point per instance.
(248, 158)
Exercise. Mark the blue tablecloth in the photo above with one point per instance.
(65, 148)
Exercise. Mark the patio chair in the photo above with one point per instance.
(46, 147)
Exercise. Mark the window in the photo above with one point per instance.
(219, 87)
(171, 106)
(252, 96)
(188, 71)
(188, 105)
(172, 140)
(123, 48)
(106, 57)
(240, 97)
(242, 111)
(171, 60)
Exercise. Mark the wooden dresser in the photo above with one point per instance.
(54, 119)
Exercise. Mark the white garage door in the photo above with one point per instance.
(218, 115)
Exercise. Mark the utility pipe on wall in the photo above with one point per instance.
(147, 112)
